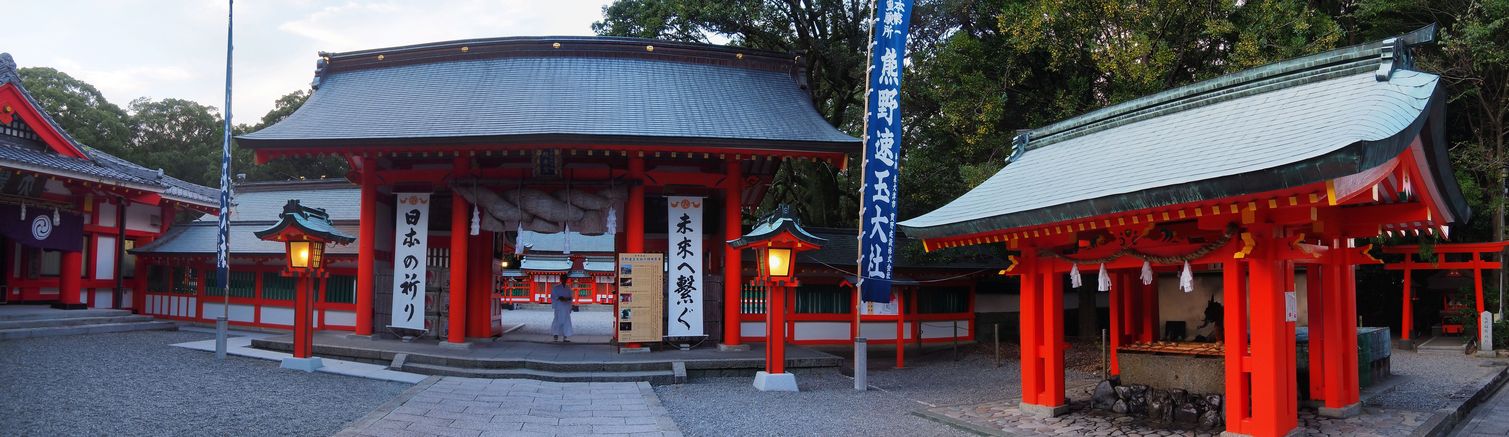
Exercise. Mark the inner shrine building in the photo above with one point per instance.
(567, 142)
(1250, 180)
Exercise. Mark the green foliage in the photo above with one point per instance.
(80, 108)
(322, 167)
(181, 137)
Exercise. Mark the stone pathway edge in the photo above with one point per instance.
(1447, 418)
(388, 407)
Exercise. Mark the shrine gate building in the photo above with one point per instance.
(1258, 176)
(578, 140)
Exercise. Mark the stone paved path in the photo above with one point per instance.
(472, 407)
(1003, 418)
(1491, 418)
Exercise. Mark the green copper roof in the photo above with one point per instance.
(1284, 125)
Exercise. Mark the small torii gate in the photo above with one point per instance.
(1477, 264)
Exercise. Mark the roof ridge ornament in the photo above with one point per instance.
(8, 72)
(1393, 51)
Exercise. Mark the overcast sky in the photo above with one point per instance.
(176, 48)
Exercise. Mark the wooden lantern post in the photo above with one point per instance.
(776, 240)
(304, 232)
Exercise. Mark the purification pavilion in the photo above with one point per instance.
(576, 137)
(69, 212)
(1254, 175)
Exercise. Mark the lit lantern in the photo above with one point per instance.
(777, 239)
(304, 232)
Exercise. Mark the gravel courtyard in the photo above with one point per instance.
(136, 384)
(829, 405)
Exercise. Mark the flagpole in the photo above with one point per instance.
(222, 257)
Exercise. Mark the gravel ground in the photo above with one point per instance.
(1427, 381)
(829, 405)
(591, 320)
(136, 384)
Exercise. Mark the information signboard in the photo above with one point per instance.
(641, 297)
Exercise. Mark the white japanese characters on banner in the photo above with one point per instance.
(684, 296)
(410, 246)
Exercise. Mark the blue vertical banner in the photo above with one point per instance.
(877, 226)
(223, 248)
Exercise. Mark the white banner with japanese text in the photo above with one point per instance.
(684, 287)
(410, 246)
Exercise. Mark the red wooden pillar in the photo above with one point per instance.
(775, 329)
(70, 281)
(1315, 294)
(366, 243)
(1148, 293)
(1131, 302)
(900, 328)
(456, 331)
(1053, 343)
(733, 260)
(1238, 372)
(301, 316)
(1122, 282)
(1341, 388)
(1291, 357)
(1273, 414)
(1030, 311)
(479, 315)
(1407, 310)
(634, 216)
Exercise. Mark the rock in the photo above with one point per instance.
(1159, 406)
(1179, 396)
(1105, 395)
(1211, 419)
(1120, 407)
(1187, 414)
(1123, 392)
(1214, 401)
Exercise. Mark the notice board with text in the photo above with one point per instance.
(641, 294)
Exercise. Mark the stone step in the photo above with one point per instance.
(11, 334)
(43, 323)
(657, 377)
(32, 312)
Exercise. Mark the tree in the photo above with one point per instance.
(179, 136)
(80, 109)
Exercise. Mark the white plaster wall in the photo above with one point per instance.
(104, 260)
(140, 217)
(340, 318)
(752, 329)
(821, 331)
(238, 312)
(277, 315)
(102, 297)
(106, 211)
(875, 331)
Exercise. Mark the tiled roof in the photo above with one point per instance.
(176, 188)
(100, 167)
(1285, 125)
(264, 201)
(590, 90)
(17, 153)
(199, 238)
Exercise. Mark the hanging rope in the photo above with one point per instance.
(1198, 253)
